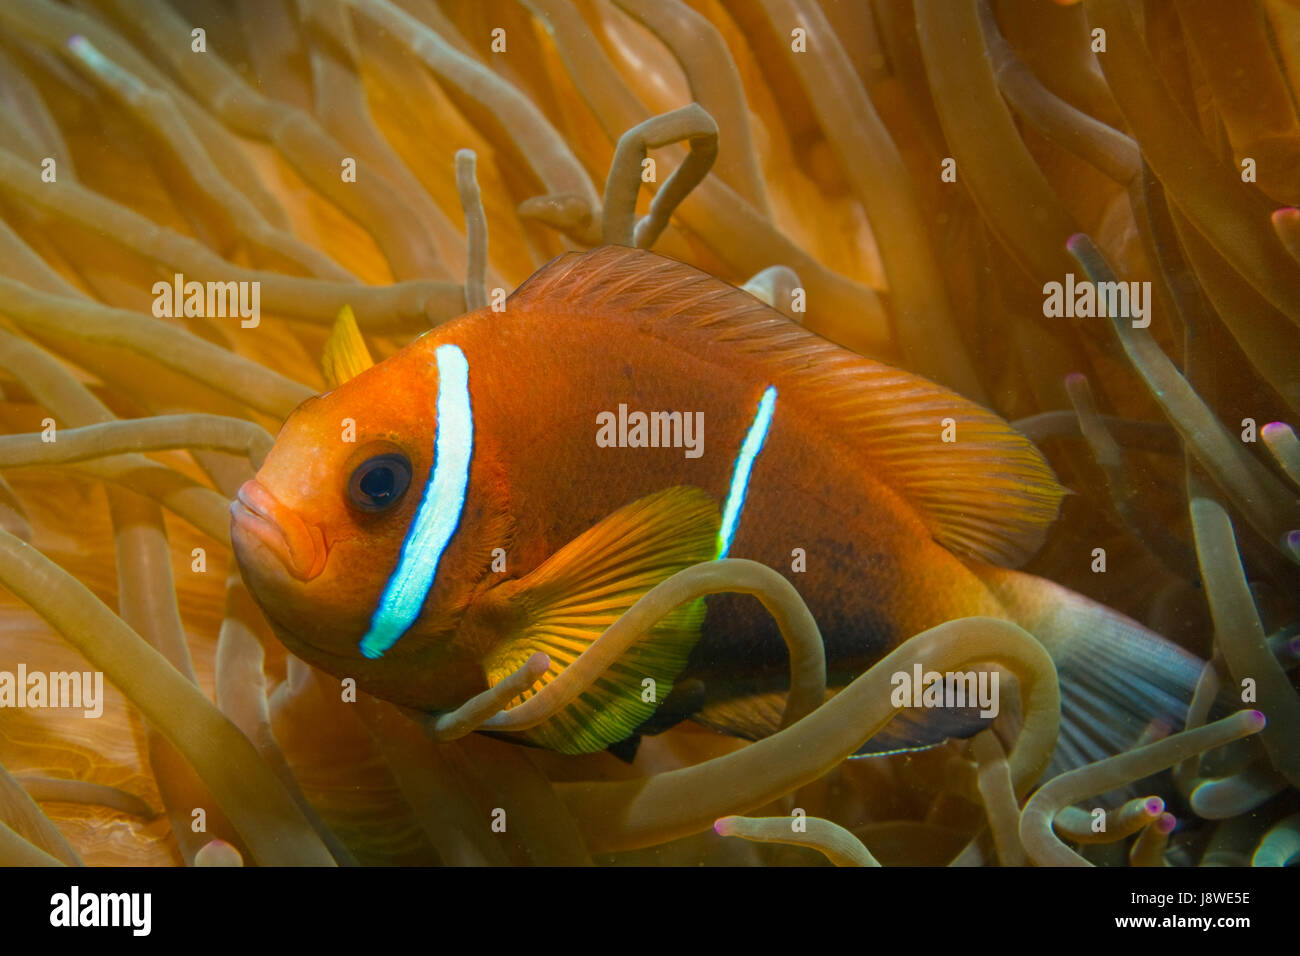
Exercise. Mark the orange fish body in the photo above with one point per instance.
(616, 378)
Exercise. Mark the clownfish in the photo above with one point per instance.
(513, 481)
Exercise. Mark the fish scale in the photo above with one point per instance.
(788, 450)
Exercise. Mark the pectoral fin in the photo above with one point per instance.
(571, 599)
(346, 355)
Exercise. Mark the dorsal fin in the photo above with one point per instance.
(346, 355)
(989, 494)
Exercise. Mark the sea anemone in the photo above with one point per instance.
(904, 177)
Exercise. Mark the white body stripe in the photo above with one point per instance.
(439, 513)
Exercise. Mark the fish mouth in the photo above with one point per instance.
(297, 545)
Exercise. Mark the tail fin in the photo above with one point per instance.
(1116, 676)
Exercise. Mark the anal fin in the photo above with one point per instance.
(755, 715)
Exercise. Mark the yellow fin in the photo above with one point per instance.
(346, 355)
(570, 600)
(987, 493)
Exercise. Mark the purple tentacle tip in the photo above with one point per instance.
(1166, 823)
(1155, 806)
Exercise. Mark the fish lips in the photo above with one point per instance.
(297, 545)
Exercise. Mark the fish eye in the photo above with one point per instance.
(378, 483)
